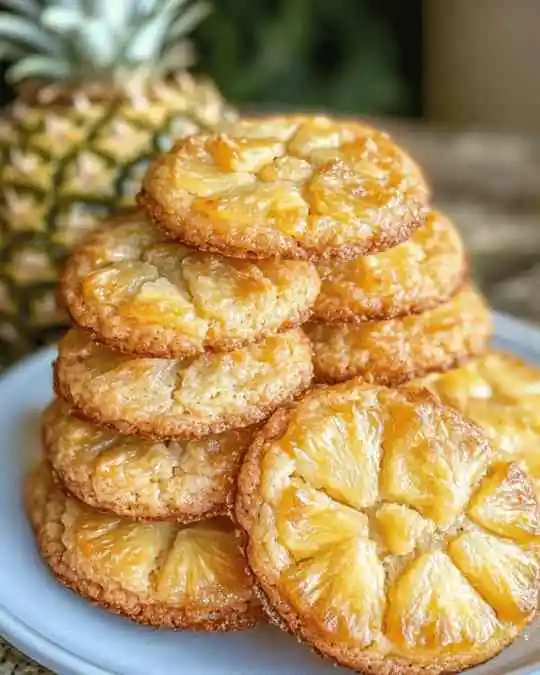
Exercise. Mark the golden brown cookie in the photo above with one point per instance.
(182, 398)
(395, 351)
(501, 393)
(138, 478)
(161, 574)
(307, 187)
(382, 530)
(423, 272)
(139, 293)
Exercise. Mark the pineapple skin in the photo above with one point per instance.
(71, 157)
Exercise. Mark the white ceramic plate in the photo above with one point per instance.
(71, 637)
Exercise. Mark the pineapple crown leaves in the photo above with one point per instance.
(97, 39)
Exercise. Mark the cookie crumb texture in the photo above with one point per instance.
(383, 530)
(182, 398)
(423, 272)
(294, 186)
(397, 350)
(160, 574)
(138, 478)
(501, 393)
(140, 293)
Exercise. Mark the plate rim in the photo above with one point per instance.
(50, 654)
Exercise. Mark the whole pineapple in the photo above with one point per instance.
(102, 87)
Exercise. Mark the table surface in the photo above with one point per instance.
(489, 183)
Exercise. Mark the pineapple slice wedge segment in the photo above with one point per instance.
(433, 606)
(339, 453)
(342, 589)
(368, 520)
(503, 573)
(203, 563)
(311, 521)
(430, 462)
(506, 504)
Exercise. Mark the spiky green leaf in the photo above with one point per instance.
(29, 8)
(95, 44)
(15, 29)
(42, 66)
(188, 20)
(61, 19)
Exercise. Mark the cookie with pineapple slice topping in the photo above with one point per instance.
(182, 398)
(397, 350)
(423, 272)
(140, 478)
(501, 393)
(137, 292)
(303, 187)
(162, 574)
(375, 526)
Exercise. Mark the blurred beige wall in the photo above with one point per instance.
(482, 63)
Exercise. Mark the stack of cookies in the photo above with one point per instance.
(346, 505)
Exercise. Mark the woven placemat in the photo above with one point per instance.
(12, 662)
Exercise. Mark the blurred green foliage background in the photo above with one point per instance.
(348, 55)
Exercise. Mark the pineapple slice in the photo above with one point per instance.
(308, 520)
(342, 589)
(431, 461)
(505, 503)
(401, 528)
(318, 135)
(503, 573)
(193, 169)
(384, 532)
(260, 128)
(347, 193)
(286, 168)
(432, 607)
